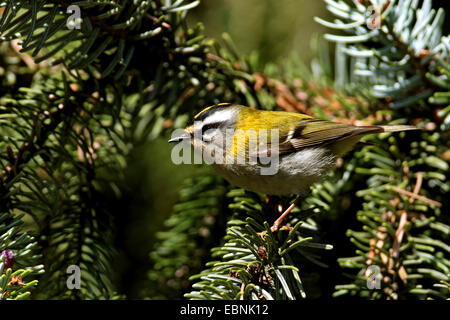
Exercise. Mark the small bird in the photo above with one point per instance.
(304, 149)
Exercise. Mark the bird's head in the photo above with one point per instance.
(211, 126)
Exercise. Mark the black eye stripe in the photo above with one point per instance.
(208, 126)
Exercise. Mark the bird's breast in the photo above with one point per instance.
(290, 174)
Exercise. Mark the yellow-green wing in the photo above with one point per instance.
(313, 132)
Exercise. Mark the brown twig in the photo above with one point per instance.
(23, 56)
(417, 186)
(416, 196)
(399, 233)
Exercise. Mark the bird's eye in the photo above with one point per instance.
(208, 126)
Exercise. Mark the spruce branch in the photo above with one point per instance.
(192, 229)
(57, 187)
(256, 265)
(398, 54)
(19, 259)
(135, 70)
(392, 239)
(409, 42)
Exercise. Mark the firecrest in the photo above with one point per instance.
(307, 148)
(247, 142)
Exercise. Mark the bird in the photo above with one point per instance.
(243, 141)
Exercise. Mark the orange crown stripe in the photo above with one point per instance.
(223, 104)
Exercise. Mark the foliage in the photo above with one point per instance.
(18, 259)
(398, 55)
(75, 103)
(196, 222)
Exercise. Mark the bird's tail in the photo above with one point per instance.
(397, 127)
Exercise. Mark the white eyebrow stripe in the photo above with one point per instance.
(219, 116)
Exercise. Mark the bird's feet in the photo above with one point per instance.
(273, 229)
(276, 225)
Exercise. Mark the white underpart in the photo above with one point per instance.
(295, 174)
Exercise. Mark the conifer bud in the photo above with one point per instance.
(9, 258)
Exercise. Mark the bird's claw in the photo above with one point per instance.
(273, 229)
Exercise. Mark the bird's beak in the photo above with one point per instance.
(184, 136)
